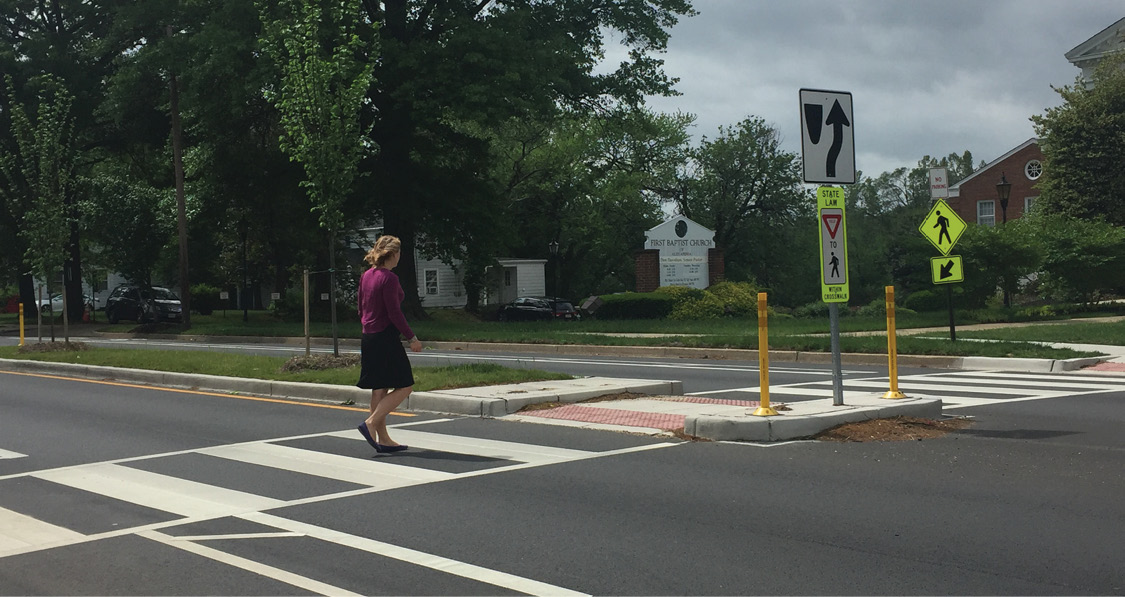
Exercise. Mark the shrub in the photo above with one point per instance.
(933, 300)
(636, 305)
(291, 306)
(704, 306)
(204, 298)
(811, 310)
(876, 308)
(738, 298)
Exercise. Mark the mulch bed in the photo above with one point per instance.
(318, 362)
(895, 429)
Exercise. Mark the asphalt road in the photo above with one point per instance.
(117, 489)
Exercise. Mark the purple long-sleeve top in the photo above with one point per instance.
(380, 302)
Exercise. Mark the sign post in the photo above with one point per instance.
(834, 287)
(828, 157)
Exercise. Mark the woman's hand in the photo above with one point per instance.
(416, 345)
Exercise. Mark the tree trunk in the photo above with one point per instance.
(332, 291)
(75, 304)
(178, 165)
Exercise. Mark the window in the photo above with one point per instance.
(1028, 202)
(986, 213)
(507, 277)
(431, 281)
(1033, 170)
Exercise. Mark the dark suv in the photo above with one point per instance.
(143, 304)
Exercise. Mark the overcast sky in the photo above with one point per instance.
(927, 77)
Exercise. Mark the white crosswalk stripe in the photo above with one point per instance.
(956, 389)
(194, 501)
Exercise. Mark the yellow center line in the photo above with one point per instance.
(202, 393)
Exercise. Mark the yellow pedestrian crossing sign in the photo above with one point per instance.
(942, 226)
(948, 269)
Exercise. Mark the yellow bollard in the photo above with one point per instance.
(21, 324)
(892, 350)
(764, 409)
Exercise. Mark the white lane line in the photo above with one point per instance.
(383, 475)
(1014, 382)
(267, 571)
(412, 556)
(273, 535)
(19, 531)
(486, 448)
(160, 492)
(4, 454)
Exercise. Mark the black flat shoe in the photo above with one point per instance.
(383, 448)
(367, 436)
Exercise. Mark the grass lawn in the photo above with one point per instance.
(1094, 332)
(785, 332)
(263, 367)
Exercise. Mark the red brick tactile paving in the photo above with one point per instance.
(611, 416)
(1106, 366)
(702, 400)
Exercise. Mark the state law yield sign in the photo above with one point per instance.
(827, 136)
(942, 226)
(833, 245)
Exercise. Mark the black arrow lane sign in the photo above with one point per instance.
(946, 270)
(837, 119)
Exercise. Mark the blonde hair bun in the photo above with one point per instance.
(384, 248)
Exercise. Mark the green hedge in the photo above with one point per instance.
(636, 305)
(737, 299)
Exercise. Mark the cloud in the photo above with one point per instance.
(928, 78)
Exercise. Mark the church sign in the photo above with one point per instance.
(683, 246)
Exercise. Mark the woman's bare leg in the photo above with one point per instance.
(389, 401)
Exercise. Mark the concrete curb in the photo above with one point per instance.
(487, 401)
(808, 419)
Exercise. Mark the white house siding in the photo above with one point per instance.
(450, 290)
(521, 277)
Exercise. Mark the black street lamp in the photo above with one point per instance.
(554, 247)
(1003, 191)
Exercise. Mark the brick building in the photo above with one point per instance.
(975, 198)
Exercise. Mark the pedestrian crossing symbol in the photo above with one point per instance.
(942, 226)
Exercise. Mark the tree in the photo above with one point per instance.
(324, 82)
(68, 40)
(45, 162)
(585, 182)
(1082, 146)
(1081, 258)
(998, 257)
(746, 188)
(444, 64)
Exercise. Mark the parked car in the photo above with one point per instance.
(538, 308)
(143, 304)
(54, 304)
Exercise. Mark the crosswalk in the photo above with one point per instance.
(956, 389)
(245, 481)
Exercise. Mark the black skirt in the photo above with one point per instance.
(383, 361)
